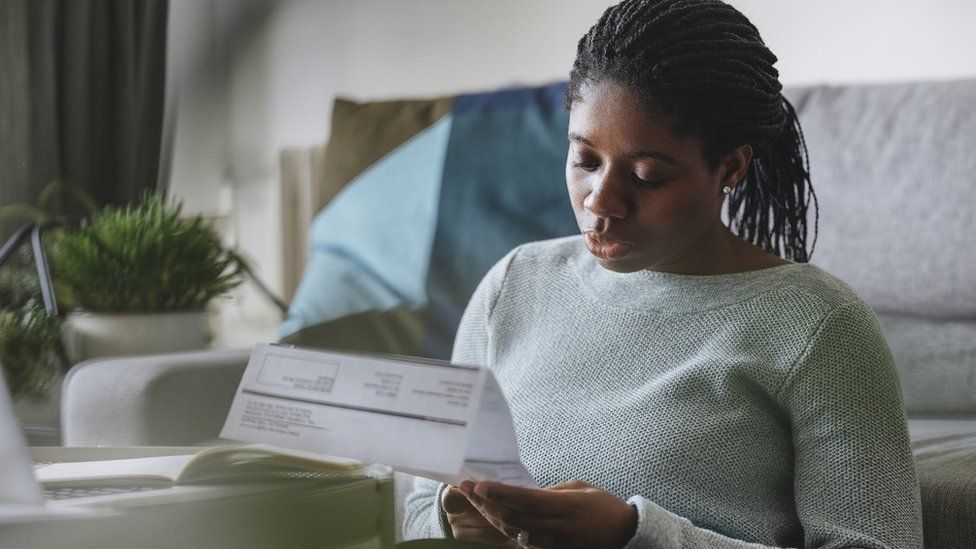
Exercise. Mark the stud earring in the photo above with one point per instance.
(726, 189)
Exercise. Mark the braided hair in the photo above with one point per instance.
(703, 66)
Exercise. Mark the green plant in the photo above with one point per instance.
(44, 211)
(30, 350)
(30, 346)
(144, 257)
(18, 286)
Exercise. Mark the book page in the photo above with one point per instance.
(220, 462)
(162, 469)
(260, 460)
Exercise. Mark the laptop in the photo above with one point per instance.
(20, 493)
(271, 513)
(18, 487)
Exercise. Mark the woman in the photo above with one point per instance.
(674, 384)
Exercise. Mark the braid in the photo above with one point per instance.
(705, 64)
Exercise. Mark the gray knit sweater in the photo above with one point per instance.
(750, 409)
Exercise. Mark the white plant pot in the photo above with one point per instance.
(92, 335)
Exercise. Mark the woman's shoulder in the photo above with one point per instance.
(831, 290)
(809, 279)
(807, 297)
(837, 322)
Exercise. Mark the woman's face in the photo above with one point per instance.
(644, 198)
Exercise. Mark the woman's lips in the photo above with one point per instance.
(606, 249)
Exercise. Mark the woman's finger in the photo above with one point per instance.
(531, 501)
(498, 524)
(454, 502)
(512, 519)
(494, 514)
(471, 525)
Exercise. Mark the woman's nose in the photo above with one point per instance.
(607, 198)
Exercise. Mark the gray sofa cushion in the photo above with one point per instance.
(936, 361)
(893, 170)
(945, 454)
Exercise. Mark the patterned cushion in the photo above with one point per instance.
(433, 194)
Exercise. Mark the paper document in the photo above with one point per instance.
(429, 418)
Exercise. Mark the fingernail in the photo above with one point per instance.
(481, 491)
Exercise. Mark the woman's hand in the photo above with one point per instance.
(572, 514)
(467, 523)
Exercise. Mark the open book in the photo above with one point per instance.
(251, 462)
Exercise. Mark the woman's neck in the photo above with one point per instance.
(719, 251)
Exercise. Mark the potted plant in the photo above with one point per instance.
(30, 352)
(29, 339)
(138, 279)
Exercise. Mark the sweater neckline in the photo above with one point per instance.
(676, 292)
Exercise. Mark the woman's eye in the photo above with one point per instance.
(588, 166)
(646, 183)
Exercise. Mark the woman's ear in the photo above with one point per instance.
(734, 166)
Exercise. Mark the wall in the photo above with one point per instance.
(383, 48)
(297, 55)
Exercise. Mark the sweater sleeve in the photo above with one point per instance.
(423, 515)
(855, 483)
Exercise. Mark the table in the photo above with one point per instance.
(308, 512)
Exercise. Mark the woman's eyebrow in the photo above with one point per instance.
(573, 136)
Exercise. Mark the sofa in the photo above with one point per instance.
(424, 195)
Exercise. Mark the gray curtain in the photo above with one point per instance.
(81, 98)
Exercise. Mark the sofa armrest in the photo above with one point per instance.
(165, 400)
